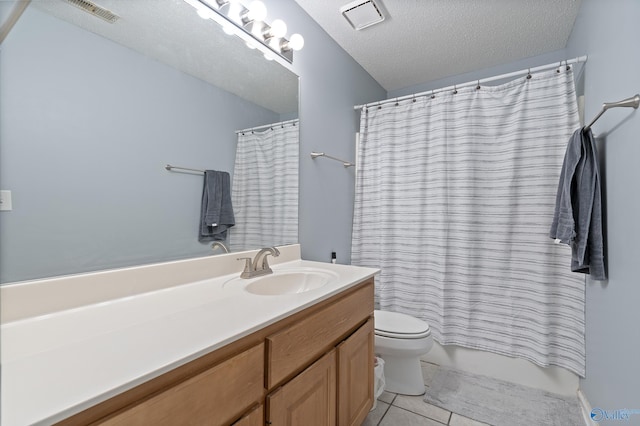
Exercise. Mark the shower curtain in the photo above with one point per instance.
(264, 190)
(454, 200)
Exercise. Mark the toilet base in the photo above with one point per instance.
(403, 375)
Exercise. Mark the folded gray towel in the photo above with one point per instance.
(577, 219)
(216, 213)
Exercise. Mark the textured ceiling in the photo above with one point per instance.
(171, 32)
(425, 40)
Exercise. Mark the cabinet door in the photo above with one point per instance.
(253, 418)
(309, 399)
(355, 376)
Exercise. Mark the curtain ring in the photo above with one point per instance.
(433, 96)
(397, 102)
(567, 63)
(379, 106)
(529, 74)
(559, 66)
(414, 98)
(455, 90)
(478, 86)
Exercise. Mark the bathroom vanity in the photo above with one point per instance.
(203, 352)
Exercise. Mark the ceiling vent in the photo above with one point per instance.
(362, 13)
(95, 10)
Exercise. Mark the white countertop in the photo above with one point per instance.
(60, 363)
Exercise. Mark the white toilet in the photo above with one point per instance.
(400, 340)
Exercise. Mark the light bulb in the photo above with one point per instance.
(257, 11)
(278, 28)
(296, 42)
(235, 9)
(274, 43)
(268, 56)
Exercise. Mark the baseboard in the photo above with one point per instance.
(586, 408)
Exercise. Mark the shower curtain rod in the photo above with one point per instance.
(632, 102)
(476, 82)
(264, 126)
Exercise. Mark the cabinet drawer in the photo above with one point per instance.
(213, 397)
(296, 346)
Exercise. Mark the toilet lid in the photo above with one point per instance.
(394, 324)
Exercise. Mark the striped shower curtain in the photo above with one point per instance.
(454, 199)
(264, 190)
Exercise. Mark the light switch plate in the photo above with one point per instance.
(5, 200)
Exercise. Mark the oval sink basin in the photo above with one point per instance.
(289, 282)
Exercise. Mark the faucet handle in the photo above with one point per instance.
(246, 273)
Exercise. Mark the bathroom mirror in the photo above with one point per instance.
(92, 111)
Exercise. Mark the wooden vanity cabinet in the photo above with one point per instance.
(355, 376)
(309, 399)
(314, 367)
(336, 389)
(214, 397)
(341, 334)
(255, 417)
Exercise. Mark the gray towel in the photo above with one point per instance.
(216, 214)
(577, 219)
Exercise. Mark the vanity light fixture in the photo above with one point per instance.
(248, 23)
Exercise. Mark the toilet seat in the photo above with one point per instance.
(399, 326)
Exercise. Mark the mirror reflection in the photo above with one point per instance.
(90, 114)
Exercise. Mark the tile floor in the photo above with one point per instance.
(402, 410)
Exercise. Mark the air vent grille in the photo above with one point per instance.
(95, 10)
(362, 13)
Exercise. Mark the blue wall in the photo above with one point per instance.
(532, 62)
(608, 33)
(331, 83)
(86, 127)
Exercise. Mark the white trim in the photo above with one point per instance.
(586, 408)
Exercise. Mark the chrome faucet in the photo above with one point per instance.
(220, 244)
(260, 264)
